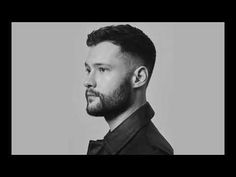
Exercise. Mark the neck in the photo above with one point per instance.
(118, 119)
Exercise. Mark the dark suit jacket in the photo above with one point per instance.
(137, 135)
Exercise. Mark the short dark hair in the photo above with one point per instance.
(131, 40)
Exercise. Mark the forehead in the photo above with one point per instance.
(105, 52)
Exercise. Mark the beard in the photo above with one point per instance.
(110, 105)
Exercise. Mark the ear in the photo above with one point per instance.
(140, 77)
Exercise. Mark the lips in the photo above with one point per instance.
(90, 94)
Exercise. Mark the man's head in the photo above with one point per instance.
(119, 66)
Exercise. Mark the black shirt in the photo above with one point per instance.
(137, 135)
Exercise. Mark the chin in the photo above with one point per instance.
(94, 110)
(94, 113)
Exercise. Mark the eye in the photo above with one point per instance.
(102, 69)
(87, 70)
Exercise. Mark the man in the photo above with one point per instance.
(119, 66)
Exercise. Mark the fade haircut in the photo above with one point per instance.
(131, 41)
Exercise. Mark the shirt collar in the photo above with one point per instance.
(120, 136)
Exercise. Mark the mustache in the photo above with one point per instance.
(92, 92)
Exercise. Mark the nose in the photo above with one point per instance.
(90, 81)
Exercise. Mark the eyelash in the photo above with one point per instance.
(87, 70)
(100, 70)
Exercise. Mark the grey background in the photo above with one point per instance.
(48, 103)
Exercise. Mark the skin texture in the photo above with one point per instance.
(115, 85)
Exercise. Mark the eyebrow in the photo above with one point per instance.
(98, 64)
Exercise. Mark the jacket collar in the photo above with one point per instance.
(121, 135)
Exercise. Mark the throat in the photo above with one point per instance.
(114, 120)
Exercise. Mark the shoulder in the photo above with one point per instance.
(147, 141)
(157, 141)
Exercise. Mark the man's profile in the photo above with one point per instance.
(119, 66)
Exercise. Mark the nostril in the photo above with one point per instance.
(88, 84)
(90, 81)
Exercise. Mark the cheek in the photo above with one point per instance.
(109, 82)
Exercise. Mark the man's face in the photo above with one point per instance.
(108, 80)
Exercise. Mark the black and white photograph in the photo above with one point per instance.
(117, 88)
